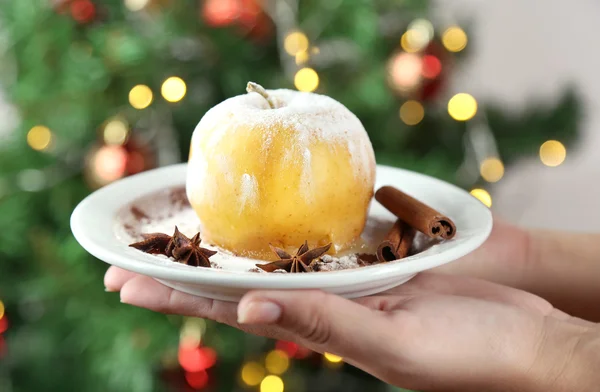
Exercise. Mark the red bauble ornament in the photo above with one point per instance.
(219, 13)
(83, 11)
(436, 65)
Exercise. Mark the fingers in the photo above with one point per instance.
(145, 292)
(115, 277)
(323, 322)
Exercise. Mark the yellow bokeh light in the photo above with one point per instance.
(302, 57)
(491, 169)
(454, 39)
(252, 373)
(406, 45)
(277, 362)
(1, 309)
(552, 153)
(135, 5)
(173, 89)
(271, 384)
(332, 358)
(306, 79)
(39, 137)
(412, 112)
(140, 96)
(115, 132)
(462, 107)
(295, 42)
(483, 196)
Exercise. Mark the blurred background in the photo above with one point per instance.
(499, 98)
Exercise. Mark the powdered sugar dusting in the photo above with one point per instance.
(313, 119)
(249, 191)
(330, 263)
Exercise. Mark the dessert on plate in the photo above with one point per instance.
(287, 177)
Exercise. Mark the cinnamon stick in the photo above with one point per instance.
(415, 213)
(397, 243)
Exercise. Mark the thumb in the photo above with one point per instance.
(320, 321)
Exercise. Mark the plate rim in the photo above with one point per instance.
(240, 279)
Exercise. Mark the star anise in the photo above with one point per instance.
(178, 246)
(153, 243)
(301, 262)
(191, 253)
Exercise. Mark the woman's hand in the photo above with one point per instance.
(435, 332)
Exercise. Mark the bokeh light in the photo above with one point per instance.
(482, 195)
(39, 137)
(412, 112)
(135, 5)
(110, 163)
(405, 70)
(252, 373)
(332, 358)
(406, 45)
(419, 33)
(191, 332)
(290, 348)
(491, 169)
(195, 359)
(218, 13)
(302, 57)
(271, 384)
(432, 66)
(1, 309)
(3, 324)
(306, 79)
(277, 362)
(173, 89)
(140, 96)
(115, 132)
(197, 380)
(454, 39)
(462, 107)
(295, 42)
(552, 153)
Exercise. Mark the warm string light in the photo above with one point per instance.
(419, 33)
(462, 107)
(277, 362)
(115, 132)
(140, 96)
(306, 79)
(412, 112)
(135, 5)
(405, 71)
(252, 373)
(332, 358)
(191, 332)
(552, 153)
(39, 138)
(454, 39)
(110, 163)
(302, 57)
(491, 169)
(482, 195)
(173, 89)
(295, 42)
(1, 309)
(271, 384)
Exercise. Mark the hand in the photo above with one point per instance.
(433, 333)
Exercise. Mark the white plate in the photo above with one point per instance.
(93, 224)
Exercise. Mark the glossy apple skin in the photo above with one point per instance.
(304, 171)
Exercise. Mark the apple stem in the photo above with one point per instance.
(257, 88)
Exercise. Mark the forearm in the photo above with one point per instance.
(564, 268)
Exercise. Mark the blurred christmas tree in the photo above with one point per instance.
(105, 89)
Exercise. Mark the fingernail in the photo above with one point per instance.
(106, 289)
(258, 312)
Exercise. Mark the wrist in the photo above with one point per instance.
(567, 359)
